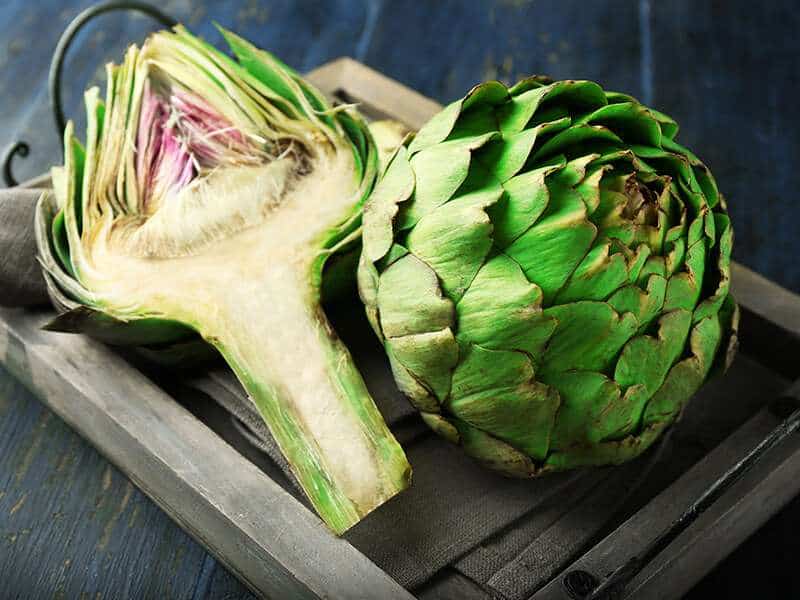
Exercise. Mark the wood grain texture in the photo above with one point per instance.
(728, 72)
(71, 524)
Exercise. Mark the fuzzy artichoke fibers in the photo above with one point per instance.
(207, 198)
(548, 270)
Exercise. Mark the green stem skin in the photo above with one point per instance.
(304, 383)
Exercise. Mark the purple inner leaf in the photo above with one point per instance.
(181, 136)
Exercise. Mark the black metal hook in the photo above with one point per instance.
(57, 67)
(20, 148)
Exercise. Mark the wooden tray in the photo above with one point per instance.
(236, 503)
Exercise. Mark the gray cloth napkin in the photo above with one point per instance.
(509, 535)
(21, 281)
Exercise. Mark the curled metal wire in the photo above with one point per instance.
(9, 153)
(57, 67)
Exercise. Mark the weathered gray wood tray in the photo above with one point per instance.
(166, 432)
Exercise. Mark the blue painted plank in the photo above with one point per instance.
(443, 48)
(72, 526)
(728, 72)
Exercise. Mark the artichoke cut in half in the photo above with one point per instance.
(548, 270)
(207, 198)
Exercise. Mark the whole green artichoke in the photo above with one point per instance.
(548, 270)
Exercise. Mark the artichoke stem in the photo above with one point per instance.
(300, 376)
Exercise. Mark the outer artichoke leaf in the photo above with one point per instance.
(496, 391)
(487, 93)
(676, 257)
(637, 261)
(707, 183)
(455, 239)
(357, 134)
(438, 128)
(592, 410)
(432, 189)
(608, 452)
(61, 302)
(395, 253)
(368, 279)
(645, 306)
(531, 82)
(574, 171)
(501, 310)
(668, 125)
(396, 186)
(419, 395)
(474, 122)
(713, 304)
(63, 288)
(589, 188)
(645, 360)
(696, 230)
(654, 265)
(598, 276)
(618, 97)
(514, 115)
(441, 426)
(729, 322)
(578, 96)
(60, 242)
(410, 299)
(430, 357)
(525, 200)
(95, 117)
(339, 276)
(710, 228)
(549, 251)
(686, 377)
(494, 453)
(504, 157)
(683, 289)
(570, 140)
(629, 120)
(588, 337)
(702, 175)
(110, 330)
(677, 166)
(67, 191)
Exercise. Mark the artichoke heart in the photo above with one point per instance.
(207, 199)
(549, 272)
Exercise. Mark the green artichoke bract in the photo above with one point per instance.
(548, 270)
(207, 198)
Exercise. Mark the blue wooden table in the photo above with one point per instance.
(70, 525)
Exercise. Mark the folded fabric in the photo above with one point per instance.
(21, 280)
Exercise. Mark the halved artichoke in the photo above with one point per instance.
(207, 199)
(548, 270)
